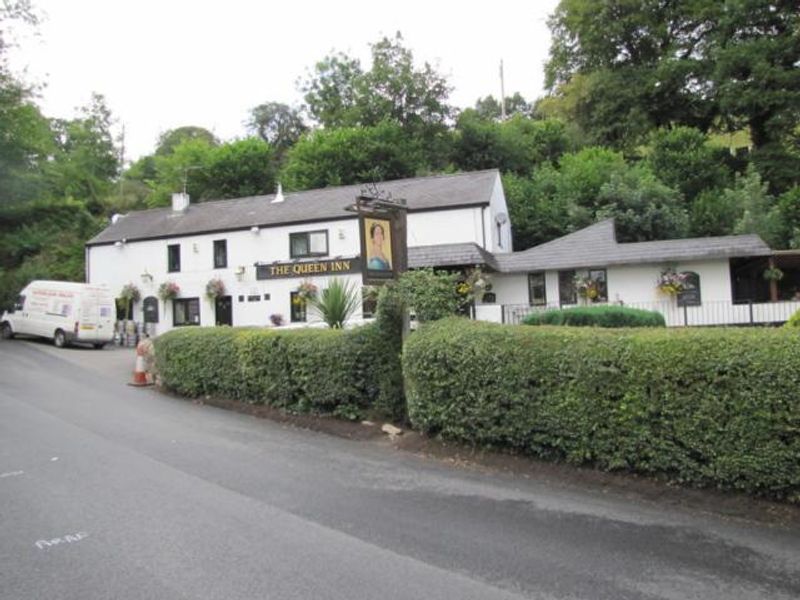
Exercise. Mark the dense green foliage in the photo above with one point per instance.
(343, 372)
(597, 316)
(715, 407)
(429, 294)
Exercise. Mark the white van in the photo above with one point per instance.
(63, 311)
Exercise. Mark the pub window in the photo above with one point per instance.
(599, 275)
(567, 294)
(220, 254)
(185, 311)
(308, 243)
(173, 258)
(690, 296)
(298, 308)
(537, 291)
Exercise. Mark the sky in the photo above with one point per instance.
(169, 63)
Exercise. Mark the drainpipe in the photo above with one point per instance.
(483, 225)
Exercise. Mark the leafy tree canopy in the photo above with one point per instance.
(277, 124)
(351, 155)
(169, 140)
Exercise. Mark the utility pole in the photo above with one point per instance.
(502, 93)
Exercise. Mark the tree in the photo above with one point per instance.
(231, 170)
(86, 159)
(277, 124)
(538, 212)
(643, 208)
(331, 91)
(681, 158)
(171, 139)
(757, 209)
(239, 168)
(489, 107)
(351, 155)
(340, 93)
(653, 63)
(26, 142)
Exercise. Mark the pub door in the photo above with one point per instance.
(223, 307)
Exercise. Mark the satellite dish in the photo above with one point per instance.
(501, 218)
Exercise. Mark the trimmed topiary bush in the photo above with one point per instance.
(714, 407)
(304, 370)
(597, 316)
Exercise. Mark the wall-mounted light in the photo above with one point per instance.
(341, 234)
(120, 243)
(255, 230)
(146, 277)
(195, 249)
(239, 272)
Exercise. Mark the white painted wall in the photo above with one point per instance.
(445, 227)
(637, 283)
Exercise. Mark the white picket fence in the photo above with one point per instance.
(707, 314)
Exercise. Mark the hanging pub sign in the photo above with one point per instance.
(382, 227)
(285, 270)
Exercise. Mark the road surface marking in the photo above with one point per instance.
(67, 539)
(11, 474)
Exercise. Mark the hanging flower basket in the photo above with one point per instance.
(169, 290)
(215, 288)
(130, 293)
(587, 288)
(305, 291)
(672, 283)
(773, 274)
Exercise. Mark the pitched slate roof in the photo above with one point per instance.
(450, 255)
(597, 245)
(421, 193)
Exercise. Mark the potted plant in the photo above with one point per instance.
(276, 320)
(215, 288)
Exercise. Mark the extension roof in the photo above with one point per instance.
(597, 245)
(450, 255)
(421, 193)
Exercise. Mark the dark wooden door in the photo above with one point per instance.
(224, 310)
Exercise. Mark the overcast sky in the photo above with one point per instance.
(167, 63)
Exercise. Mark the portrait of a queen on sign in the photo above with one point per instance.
(378, 236)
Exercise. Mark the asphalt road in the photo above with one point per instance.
(112, 492)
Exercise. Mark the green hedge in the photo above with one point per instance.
(597, 316)
(305, 370)
(703, 406)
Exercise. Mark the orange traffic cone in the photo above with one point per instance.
(139, 373)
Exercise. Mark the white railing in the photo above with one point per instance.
(708, 313)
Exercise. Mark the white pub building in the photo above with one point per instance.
(259, 251)
(263, 248)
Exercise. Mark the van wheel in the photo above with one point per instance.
(99, 346)
(59, 339)
(6, 332)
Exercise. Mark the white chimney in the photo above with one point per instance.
(180, 201)
(279, 195)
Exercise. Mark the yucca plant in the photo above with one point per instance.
(336, 303)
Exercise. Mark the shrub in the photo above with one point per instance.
(306, 370)
(702, 406)
(597, 316)
(794, 320)
(337, 302)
